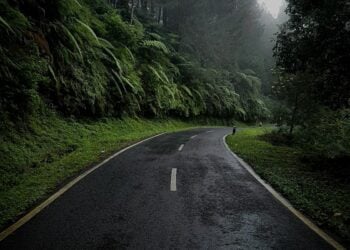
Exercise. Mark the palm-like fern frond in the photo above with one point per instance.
(6, 25)
(115, 60)
(156, 45)
(88, 28)
(71, 38)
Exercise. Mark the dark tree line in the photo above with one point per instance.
(313, 58)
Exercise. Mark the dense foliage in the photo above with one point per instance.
(322, 197)
(115, 58)
(313, 58)
(62, 61)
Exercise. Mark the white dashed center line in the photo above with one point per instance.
(192, 137)
(181, 147)
(210, 131)
(173, 180)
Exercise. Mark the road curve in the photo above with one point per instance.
(131, 203)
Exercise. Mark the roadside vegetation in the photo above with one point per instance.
(97, 58)
(33, 165)
(81, 79)
(313, 85)
(307, 157)
(321, 195)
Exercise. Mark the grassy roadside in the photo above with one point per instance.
(317, 195)
(33, 164)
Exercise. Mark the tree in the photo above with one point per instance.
(313, 54)
(316, 42)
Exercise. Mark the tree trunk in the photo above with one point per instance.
(152, 9)
(160, 13)
(144, 5)
(165, 16)
(132, 11)
(123, 4)
(139, 4)
(294, 114)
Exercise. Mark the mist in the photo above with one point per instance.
(167, 124)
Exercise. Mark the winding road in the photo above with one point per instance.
(177, 191)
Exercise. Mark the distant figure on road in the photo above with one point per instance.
(234, 130)
(260, 124)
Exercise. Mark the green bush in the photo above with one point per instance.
(324, 139)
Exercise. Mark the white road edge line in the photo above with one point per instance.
(173, 180)
(64, 189)
(286, 203)
(181, 147)
(194, 136)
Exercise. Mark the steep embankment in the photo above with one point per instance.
(83, 58)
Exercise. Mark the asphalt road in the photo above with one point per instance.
(128, 204)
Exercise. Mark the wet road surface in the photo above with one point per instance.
(136, 201)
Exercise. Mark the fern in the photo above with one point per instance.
(116, 82)
(117, 75)
(164, 77)
(6, 25)
(131, 55)
(155, 72)
(52, 72)
(77, 2)
(154, 36)
(125, 80)
(156, 45)
(72, 38)
(105, 43)
(116, 61)
(88, 28)
(170, 92)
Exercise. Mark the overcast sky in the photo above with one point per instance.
(273, 6)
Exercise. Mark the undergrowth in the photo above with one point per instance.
(318, 195)
(34, 163)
